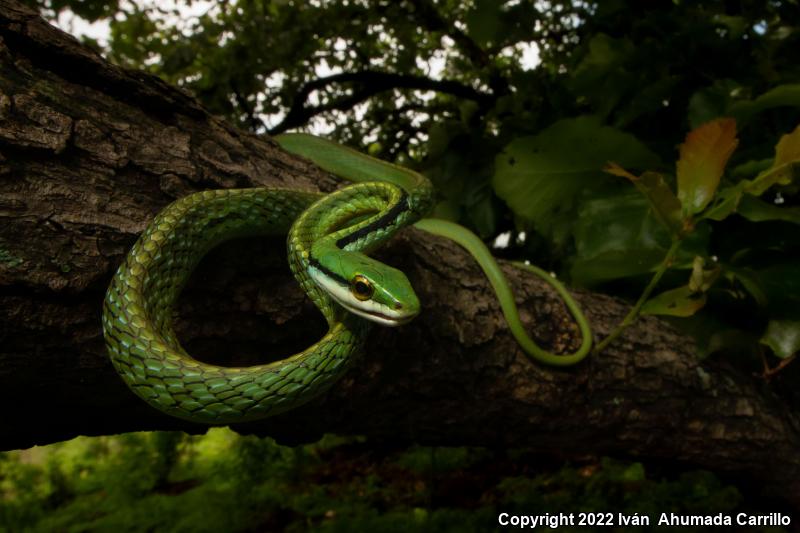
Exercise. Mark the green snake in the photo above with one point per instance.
(329, 237)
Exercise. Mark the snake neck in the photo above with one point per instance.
(354, 220)
(357, 167)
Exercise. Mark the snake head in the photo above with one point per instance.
(365, 286)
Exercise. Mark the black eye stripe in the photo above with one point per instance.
(329, 273)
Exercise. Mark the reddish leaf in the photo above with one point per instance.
(703, 157)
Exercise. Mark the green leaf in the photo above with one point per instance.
(446, 210)
(666, 206)
(703, 157)
(461, 172)
(687, 300)
(756, 210)
(781, 284)
(615, 264)
(751, 168)
(711, 102)
(634, 473)
(736, 26)
(785, 168)
(726, 202)
(788, 148)
(777, 175)
(781, 96)
(647, 100)
(681, 302)
(731, 342)
(539, 177)
(702, 278)
(783, 337)
(480, 208)
(617, 236)
(600, 78)
(484, 21)
(749, 280)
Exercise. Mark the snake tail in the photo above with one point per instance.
(505, 296)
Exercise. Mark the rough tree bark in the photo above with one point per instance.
(90, 152)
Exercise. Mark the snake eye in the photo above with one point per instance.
(361, 288)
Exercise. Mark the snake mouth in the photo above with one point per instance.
(385, 319)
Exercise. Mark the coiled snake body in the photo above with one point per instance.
(328, 237)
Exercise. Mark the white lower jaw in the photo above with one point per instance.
(384, 320)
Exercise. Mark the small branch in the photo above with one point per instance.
(369, 83)
(771, 372)
(633, 314)
(253, 122)
(431, 19)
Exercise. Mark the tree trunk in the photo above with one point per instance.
(89, 152)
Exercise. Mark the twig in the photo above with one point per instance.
(771, 372)
(633, 314)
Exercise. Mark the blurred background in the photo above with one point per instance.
(511, 108)
(168, 481)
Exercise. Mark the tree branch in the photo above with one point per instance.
(87, 159)
(368, 83)
(253, 122)
(428, 15)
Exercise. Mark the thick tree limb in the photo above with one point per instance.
(90, 152)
